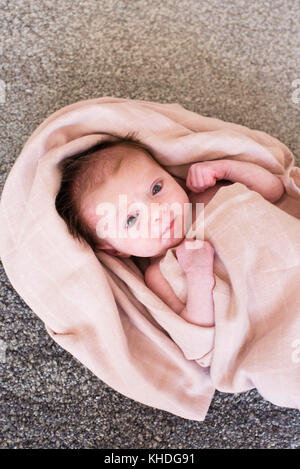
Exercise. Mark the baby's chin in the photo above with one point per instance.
(161, 250)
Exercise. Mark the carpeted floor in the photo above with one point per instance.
(235, 60)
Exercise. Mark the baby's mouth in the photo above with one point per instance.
(168, 229)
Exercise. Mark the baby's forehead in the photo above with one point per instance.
(132, 156)
(134, 172)
(121, 159)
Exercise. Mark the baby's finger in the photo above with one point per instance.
(193, 184)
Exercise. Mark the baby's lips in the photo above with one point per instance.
(168, 227)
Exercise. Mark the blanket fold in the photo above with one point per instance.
(99, 309)
(258, 258)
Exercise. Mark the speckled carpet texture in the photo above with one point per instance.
(234, 60)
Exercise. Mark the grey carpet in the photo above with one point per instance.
(235, 60)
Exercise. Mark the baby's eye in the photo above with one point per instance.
(131, 220)
(156, 188)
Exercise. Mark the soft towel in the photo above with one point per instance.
(98, 307)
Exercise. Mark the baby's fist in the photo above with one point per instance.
(203, 175)
(194, 259)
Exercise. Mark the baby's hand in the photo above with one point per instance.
(199, 260)
(203, 175)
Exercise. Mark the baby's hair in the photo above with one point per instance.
(78, 177)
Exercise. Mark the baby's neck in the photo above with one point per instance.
(154, 260)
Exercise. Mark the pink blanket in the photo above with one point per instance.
(99, 308)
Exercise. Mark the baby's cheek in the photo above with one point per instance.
(147, 247)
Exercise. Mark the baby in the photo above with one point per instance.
(154, 208)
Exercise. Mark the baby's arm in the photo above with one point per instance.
(155, 280)
(203, 175)
(198, 267)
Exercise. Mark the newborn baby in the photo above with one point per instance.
(117, 189)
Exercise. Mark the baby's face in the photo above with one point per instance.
(132, 211)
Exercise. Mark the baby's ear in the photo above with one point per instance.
(114, 252)
(106, 247)
(121, 254)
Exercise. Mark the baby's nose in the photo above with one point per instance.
(161, 212)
